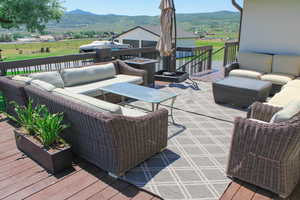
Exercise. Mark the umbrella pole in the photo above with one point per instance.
(173, 56)
(167, 62)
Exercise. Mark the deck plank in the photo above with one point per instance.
(231, 191)
(22, 181)
(11, 159)
(12, 172)
(67, 187)
(245, 193)
(126, 194)
(93, 189)
(41, 185)
(111, 191)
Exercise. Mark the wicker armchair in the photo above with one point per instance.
(264, 154)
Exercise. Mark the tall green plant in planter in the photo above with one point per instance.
(48, 127)
(27, 115)
(41, 139)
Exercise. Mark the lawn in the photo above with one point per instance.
(216, 45)
(13, 52)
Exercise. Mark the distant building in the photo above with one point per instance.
(148, 36)
(28, 39)
(46, 38)
(41, 38)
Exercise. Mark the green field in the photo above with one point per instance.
(216, 45)
(11, 52)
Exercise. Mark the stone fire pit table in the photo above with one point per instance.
(144, 64)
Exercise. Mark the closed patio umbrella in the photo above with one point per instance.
(167, 43)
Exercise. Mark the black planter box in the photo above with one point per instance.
(53, 162)
(178, 77)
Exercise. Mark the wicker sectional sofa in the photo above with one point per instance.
(277, 69)
(113, 137)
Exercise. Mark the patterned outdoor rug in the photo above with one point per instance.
(193, 165)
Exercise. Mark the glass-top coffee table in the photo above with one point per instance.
(150, 95)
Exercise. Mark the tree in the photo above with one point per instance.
(33, 14)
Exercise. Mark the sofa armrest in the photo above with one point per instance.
(13, 91)
(128, 70)
(261, 111)
(230, 67)
(274, 142)
(137, 139)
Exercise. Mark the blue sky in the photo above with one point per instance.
(146, 7)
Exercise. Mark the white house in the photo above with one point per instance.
(271, 26)
(147, 36)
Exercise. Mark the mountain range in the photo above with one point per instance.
(82, 20)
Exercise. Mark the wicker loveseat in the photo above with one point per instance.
(277, 69)
(266, 154)
(110, 136)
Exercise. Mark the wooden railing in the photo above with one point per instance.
(71, 61)
(195, 59)
(230, 52)
(192, 60)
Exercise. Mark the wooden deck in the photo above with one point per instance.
(21, 178)
(239, 190)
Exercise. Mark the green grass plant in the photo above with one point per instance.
(40, 123)
(48, 127)
(26, 115)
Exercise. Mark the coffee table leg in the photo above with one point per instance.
(104, 95)
(172, 108)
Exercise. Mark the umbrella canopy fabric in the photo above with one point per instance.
(165, 46)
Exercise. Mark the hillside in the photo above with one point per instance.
(79, 19)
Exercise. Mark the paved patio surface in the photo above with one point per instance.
(193, 165)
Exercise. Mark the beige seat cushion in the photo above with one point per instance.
(96, 104)
(278, 79)
(23, 79)
(42, 85)
(53, 78)
(78, 76)
(132, 112)
(258, 121)
(93, 89)
(246, 73)
(285, 96)
(286, 64)
(289, 111)
(293, 83)
(255, 62)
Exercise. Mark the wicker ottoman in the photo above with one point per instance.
(240, 91)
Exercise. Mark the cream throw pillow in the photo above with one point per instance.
(42, 85)
(289, 111)
(53, 78)
(22, 79)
